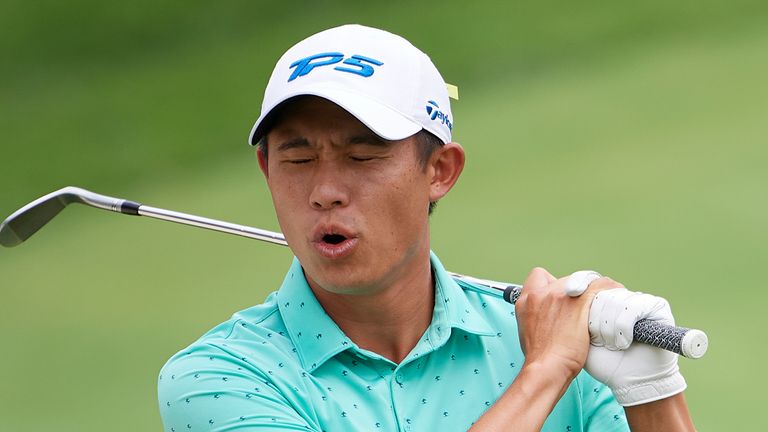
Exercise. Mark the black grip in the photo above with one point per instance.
(660, 335)
(649, 332)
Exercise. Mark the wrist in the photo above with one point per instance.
(643, 393)
(547, 375)
(553, 366)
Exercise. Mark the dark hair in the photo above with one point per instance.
(426, 144)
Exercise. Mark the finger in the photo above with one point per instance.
(631, 312)
(606, 306)
(612, 329)
(645, 306)
(658, 310)
(604, 283)
(595, 313)
(579, 281)
(538, 278)
(596, 310)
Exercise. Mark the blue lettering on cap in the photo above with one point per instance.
(433, 110)
(359, 65)
(365, 70)
(305, 65)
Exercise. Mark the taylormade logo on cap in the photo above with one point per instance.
(433, 110)
(378, 77)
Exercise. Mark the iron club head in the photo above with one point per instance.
(26, 221)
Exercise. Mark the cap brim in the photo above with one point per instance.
(384, 121)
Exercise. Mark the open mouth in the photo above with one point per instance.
(335, 242)
(334, 239)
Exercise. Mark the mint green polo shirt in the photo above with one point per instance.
(284, 365)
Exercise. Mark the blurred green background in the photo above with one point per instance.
(629, 137)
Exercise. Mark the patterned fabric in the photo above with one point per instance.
(285, 365)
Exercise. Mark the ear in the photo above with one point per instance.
(444, 168)
(262, 161)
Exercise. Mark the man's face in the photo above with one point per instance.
(352, 206)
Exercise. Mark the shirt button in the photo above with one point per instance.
(399, 378)
(407, 428)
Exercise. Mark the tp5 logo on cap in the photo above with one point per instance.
(307, 64)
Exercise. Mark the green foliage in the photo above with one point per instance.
(625, 137)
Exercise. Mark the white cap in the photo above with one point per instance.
(378, 77)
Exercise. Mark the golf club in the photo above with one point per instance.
(26, 221)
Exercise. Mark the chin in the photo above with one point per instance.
(344, 285)
(341, 281)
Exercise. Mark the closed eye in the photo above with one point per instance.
(362, 158)
(298, 161)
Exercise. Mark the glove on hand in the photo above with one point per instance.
(636, 373)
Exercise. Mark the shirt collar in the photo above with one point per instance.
(317, 338)
(452, 306)
(314, 334)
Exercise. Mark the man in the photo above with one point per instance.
(368, 331)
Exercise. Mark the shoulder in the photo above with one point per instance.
(246, 364)
(240, 342)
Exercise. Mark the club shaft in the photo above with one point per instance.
(213, 224)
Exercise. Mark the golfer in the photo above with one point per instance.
(368, 331)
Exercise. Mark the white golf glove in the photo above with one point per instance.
(636, 373)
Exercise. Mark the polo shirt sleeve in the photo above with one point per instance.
(205, 389)
(599, 406)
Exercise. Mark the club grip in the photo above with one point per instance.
(690, 343)
(687, 342)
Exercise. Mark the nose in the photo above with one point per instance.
(329, 190)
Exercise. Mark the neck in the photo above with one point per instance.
(390, 320)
